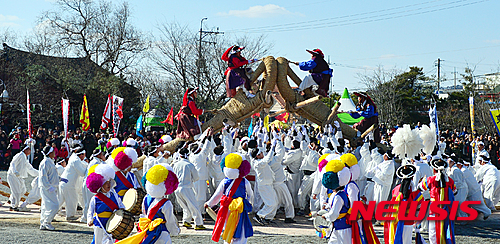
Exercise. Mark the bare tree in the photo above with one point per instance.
(98, 30)
(175, 53)
(383, 91)
(8, 36)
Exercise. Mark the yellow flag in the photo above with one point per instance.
(495, 115)
(146, 106)
(84, 116)
(266, 122)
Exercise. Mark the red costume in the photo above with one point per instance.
(235, 74)
(188, 125)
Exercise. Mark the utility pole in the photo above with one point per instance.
(200, 62)
(454, 77)
(439, 74)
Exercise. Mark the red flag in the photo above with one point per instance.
(106, 117)
(170, 117)
(283, 117)
(255, 115)
(28, 110)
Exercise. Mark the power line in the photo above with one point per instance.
(418, 11)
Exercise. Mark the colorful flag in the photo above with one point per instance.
(138, 126)
(434, 118)
(84, 116)
(28, 110)
(266, 122)
(283, 117)
(170, 117)
(117, 113)
(250, 128)
(106, 116)
(495, 115)
(146, 106)
(471, 108)
(65, 115)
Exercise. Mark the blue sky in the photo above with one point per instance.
(357, 35)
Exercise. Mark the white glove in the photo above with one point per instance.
(337, 124)
(252, 61)
(52, 189)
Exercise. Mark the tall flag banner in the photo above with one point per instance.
(146, 106)
(283, 117)
(28, 110)
(65, 115)
(495, 115)
(106, 116)
(138, 127)
(471, 109)
(434, 118)
(84, 115)
(250, 128)
(117, 113)
(266, 122)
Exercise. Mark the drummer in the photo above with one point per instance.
(124, 178)
(103, 203)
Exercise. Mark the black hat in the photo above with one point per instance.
(406, 171)
(439, 164)
(252, 143)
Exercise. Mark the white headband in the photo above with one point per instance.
(80, 153)
(51, 150)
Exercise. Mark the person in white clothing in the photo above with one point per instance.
(19, 169)
(474, 191)
(76, 168)
(265, 178)
(199, 157)
(48, 182)
(384, 173)
(458, 177)
(97, 158)
(377, 159)
(308, 168)
(489, 176)
(185, 196)
(292, 162)
(154, 156)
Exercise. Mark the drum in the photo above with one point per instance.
(323, 227)
(132, 200)
(120, 224)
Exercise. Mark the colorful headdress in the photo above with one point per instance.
(336, 174)
(352, 163)
(161, 180)
(165, 139)
(113, 142)
(124, 157)
(98, 175)
(234, 166)
(130, 142)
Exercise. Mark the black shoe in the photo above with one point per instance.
(259, 220)
(79, 208)
(14, 209)
(290, 221)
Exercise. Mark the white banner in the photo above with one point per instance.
(28, 110)
(117, 113)
(65, 115)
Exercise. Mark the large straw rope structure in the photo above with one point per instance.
(275, 73)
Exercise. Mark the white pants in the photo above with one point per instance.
(381, 192)
(477, 196)
(460, 197)
(407, 234)
(341, 236)
(257, 200)
(186, 198)
(100, 236)
(293, 184)
(200, 192)
(305, 191)
(284, 198)
(87, 196)
(34, 193)
(491, 193)
(69, 196)
(242, 240)
(307, 82)
(50, 205)
(164, 238)
(17, 189)
(369, 190)
(268, 196)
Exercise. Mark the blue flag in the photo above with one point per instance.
(250, 128)
(138, 126)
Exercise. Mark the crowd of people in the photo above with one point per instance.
(286, 168)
